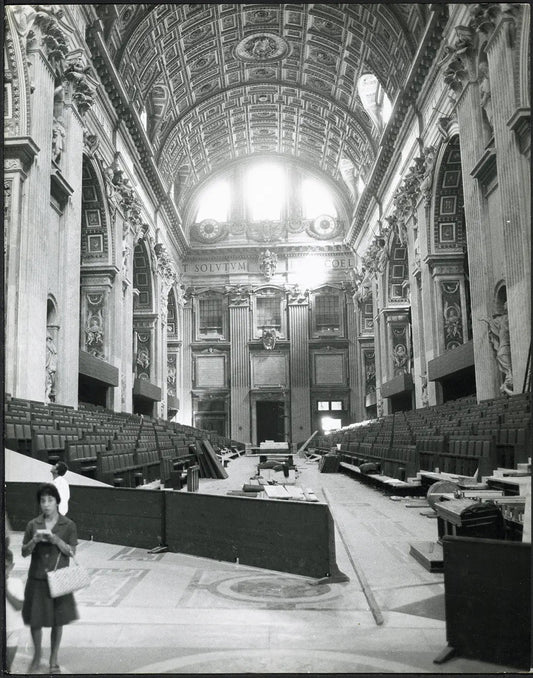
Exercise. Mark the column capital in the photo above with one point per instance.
(19, 153)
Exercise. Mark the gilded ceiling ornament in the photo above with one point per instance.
(261, 16)
(208, 230)
(327, 27)
(322, 57)
(261, 47)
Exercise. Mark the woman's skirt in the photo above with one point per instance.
(40, 609)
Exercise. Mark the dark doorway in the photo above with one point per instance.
(270, 421)
(459, 384)
(143, 406)
(92, 391)
(402, 402)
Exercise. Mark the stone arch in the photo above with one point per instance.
(500, 297)
(16, 80)
(143, 278)
(97, 242)
(374, 99)
(448, 229)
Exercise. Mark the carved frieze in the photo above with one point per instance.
(82, 80)
(143, 355)
(94, 329)
(238, 295)
(452, 314)
(297, 295)
(171, 374)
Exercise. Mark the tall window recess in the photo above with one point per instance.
(210, 316)
(269, 311)
(375, 100)
(327, 313)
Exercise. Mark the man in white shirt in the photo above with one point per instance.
(58, 474)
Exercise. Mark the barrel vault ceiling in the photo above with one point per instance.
(223, 82)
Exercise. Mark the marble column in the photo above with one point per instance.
(69, 253)
(185, 414)
(299, 370)
(239, 323)
(26, 344)
(356, 376)
(471, 136)
(514, 186)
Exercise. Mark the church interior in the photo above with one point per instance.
(267, 293)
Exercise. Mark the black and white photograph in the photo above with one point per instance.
(267, 338)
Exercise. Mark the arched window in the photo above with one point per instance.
(265, 191)
(374, 99)
(214, 201)
(317, 199)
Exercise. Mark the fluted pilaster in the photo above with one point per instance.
(185, 415)
(514, 185)
(29, 343)
(471, 133)
(299, 369)
(239, 318)
(356, 376)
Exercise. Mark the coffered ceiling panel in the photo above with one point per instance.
(221, 82)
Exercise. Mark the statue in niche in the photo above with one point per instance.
(94, 335)
(400, 358)
(383, 255)
(58, 136)
(51, 368)
(126, 253)
(484, 92)
(498, 328)
(269, 338)
(424, 394)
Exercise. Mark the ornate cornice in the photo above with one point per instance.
(126, 112)
(422, 63)
(19, 153)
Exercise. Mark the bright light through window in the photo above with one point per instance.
(317, 199)
(309, 272)
(387, 109)
(330, 424)
(265, 191)
(214, 202)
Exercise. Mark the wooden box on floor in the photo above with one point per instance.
(488, 600)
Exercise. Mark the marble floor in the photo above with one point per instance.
(172, 613)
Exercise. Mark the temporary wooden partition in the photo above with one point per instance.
(287, 536)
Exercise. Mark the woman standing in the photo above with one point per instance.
(50, 538)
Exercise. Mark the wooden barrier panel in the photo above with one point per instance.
(488, 600)
(122, 516)
(278, 535)
(287, 536)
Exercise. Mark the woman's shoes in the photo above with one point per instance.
(55, 668)
(35, 667)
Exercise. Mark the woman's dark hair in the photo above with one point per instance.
(48, 489)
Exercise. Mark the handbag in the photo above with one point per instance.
(67, 579)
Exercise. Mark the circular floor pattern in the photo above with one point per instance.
(277, 661)
(271, 589)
